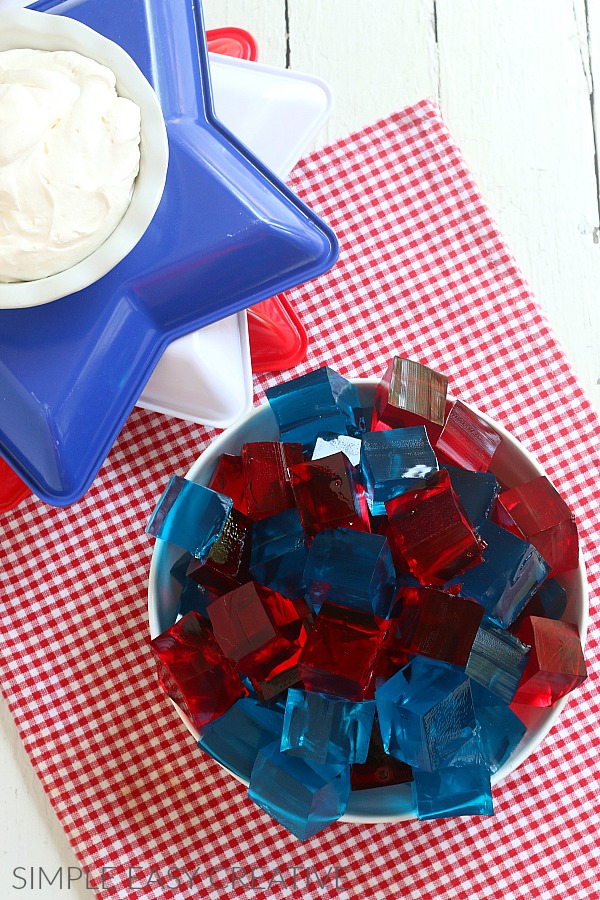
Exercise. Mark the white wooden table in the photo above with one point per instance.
(515, 83)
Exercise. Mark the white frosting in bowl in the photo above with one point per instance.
(69, 156)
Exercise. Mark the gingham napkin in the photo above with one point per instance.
(424, 273)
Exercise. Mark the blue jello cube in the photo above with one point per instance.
(301, 795)
(279, 551)
(500, 729)
(460, 789)
(497, 660)
(190, 516)
(328, 443)
(350, 568)
(326, 729)
(321, 400)
(235, 738)
(510, 573)
(393, 462)
(475, 490)
(425, 713)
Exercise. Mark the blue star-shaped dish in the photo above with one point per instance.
(226, 235)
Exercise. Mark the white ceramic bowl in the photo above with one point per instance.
(24, 28)
(512, 465)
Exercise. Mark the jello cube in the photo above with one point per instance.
(303, 796)
(328, 496)
(194, 672)
(467, 440)
(190, 516)
(540, 515)
(556, 664)
(380, 769)
(410, 394)
(477, 491)
(235, 738)
(500, 729)
(393, 462)
(460, 789)
(260, 629)
(266, 474)
(328, 443)
(497, 660)
(327, 729)
(437, 625)
(227, 564)
(549, 601)
(429, 532)
(511, 572)
(341, 653)
(425, 713)
(350, 568)
(321, 400)
(228, 479)
(279, 551)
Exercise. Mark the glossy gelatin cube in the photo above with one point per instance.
(266, 467)
(303, 796)
(321, 400)
(260, 629)
(341, 653)
(556, 664)
(410, 394)
(437, 625)
(380, 769)
(511, 572)
(194, 672)
(393, 462)
(425, 713)
(327, 729)
(328, 496)
(466, 440)
(279, 551)
(460, 789)
(235, 738)
(327, 444)
(497, 660)
(190, 516)
(539, 514)
(228, 479)
(477, 491)
(228, 563)
(350, 568)
(500, 729)
(430, 534)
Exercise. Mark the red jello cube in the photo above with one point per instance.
(328, 496)
(194, 672)
(380, 769)
(227, 566)
(536, 512)
(260, 629)
(410, 394)
(266, 474)
(556, 664)
(466, 440)
(430, 534)
(438, 625)
(341, 653)
(228, 479)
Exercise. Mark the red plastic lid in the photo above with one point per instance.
(12, 489)
(232, 42)
(278, 339)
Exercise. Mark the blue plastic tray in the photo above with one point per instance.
(226, 235)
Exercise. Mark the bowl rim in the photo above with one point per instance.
(29, 29)
(517, 758)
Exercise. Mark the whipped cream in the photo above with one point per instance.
(69, 155)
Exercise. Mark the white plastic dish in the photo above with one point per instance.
(512, 464)
(206, 377)
(24, 28)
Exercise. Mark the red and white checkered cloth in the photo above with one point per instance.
(424, 273)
